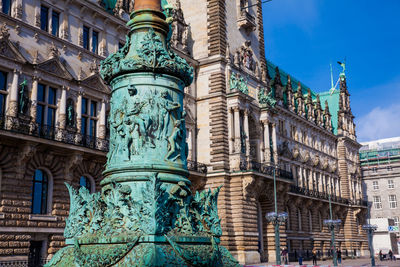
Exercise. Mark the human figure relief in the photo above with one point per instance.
(166, 107)
(174, 146)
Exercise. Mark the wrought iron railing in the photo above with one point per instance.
(24, 263)
(323, 195)
(68, 136)
(196, 166)
(265, 169)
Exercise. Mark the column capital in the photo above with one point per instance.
(246, 112)
(235, 108)
(265, 122)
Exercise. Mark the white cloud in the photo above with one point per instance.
(381, 122)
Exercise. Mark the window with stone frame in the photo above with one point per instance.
(90, 39)
(320, 221)
(375, 185)
(46, 108)
(6, 7)
(310, 224)
(50, 20)
(390, 184)
(3, 93)
(293, 132)
(89, 117)
(377, 202)
(392, 201)
(40, 192)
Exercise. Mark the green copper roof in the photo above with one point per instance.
(332, 98)
(271, 71)
(333, 103)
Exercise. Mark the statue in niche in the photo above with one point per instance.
(165, 109)
(23, 97)
(70, 113)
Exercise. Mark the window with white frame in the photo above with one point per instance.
(390, 184)
(392, 201)
(89, 117)
(375, 185)
(396, 221)
(377, 202)
(46, 106)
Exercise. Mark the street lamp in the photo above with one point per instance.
(370, 229)
(331, 225)
(276, 219)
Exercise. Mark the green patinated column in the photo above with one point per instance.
(145, 214)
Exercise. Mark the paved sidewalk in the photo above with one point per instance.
(363, 262)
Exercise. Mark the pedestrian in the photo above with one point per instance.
(300, 257)
(390, 254)
(339, 256)
(380, 255)
(314, 257)
(285, 256)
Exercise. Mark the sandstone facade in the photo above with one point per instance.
(56, 122)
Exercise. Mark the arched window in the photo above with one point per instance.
(85, 182)
(40, 192)
(310, 221)
(299, 219)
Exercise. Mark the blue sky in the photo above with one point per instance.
(304, 36)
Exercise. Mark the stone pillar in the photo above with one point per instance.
(13, 102)
(231, 137)
(79, 113)
(237, 129)
(63, 108)
(34, 95)
(102, 120)
(267, 148)
(190, 144)
(275, 146)
(247, 133)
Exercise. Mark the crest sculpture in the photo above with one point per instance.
(145, 214)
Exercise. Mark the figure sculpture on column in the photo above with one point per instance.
(145, 214)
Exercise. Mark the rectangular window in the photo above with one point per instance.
(93, 109)
(390, 184)
(95, 41)
(377, 202)
(375, 185)
(46, 108)
(44, 18)
(55, 23)
(392, 201)
(3, 91)
(86, 40)
(6, 8)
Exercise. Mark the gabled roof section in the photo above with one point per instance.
(332, 97)
(96, 82)
(55, 67)
(10, 51)
(284, 75)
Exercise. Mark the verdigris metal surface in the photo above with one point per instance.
(145, 214)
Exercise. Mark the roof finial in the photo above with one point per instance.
(343, 65)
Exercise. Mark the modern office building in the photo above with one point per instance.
(380, 166)
(246, 117)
